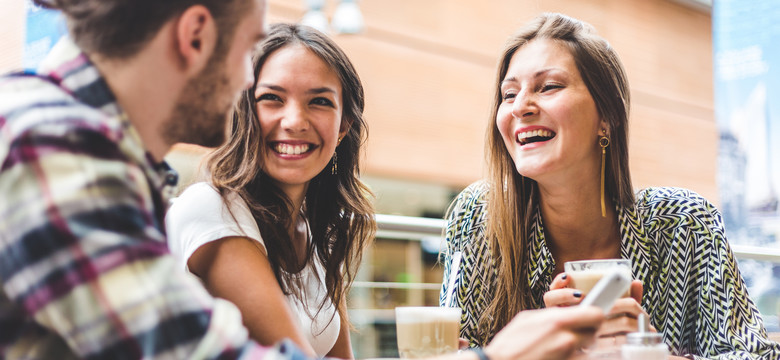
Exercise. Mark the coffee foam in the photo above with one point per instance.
(419, 314)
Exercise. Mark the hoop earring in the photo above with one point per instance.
(603, 142)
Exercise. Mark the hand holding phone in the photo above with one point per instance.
(611, 287)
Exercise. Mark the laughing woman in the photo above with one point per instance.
(279, 226)
(559, 189)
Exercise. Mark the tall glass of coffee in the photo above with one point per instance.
(425, 331)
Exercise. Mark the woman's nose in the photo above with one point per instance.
(295, 118)
(524, 105)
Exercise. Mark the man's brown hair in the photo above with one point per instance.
(121, 28)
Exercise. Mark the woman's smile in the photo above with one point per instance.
(292, 150)
(526, 137)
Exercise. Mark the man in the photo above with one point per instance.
(83, 259)
(84, 266)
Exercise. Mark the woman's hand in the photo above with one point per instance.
(560, 294)
(620, 320)
(554, 333)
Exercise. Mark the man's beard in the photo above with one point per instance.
(201, 110)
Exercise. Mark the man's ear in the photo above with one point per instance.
(196, 38)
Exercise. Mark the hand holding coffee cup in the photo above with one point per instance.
(572, 286)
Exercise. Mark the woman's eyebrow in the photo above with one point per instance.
(321, 90)
(537, 74)
(272, 87)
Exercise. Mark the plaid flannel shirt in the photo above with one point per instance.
(84, 265)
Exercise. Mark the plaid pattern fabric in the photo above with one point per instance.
(84, 265)
(675, 239)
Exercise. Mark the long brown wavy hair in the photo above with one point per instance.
(513, 198)
(337, 206)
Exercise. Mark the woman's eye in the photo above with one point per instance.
(509, 96)
(268, 96)
(322, 101)
(548, 87)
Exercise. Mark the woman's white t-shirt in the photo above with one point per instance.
(199, 216)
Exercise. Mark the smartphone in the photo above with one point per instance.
(611, 287)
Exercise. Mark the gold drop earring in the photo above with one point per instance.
(603, 142)
(335, 167)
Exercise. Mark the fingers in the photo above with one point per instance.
(579, 318)
(462, 343)
(559, 295)
(619, 325)
(564, 344)
(637, 290)
(609, 342)
(626, 306)
(562, 297)
(576, 329)
(557, 319)
(561, 281)
(553, 333)
(622, 318)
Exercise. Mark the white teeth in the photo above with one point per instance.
(288, 149)
(521, 137)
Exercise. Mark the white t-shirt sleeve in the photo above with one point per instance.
(200, 215)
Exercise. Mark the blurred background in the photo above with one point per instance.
(702, 78)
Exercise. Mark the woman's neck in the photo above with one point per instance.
(298, 229)
(296, 194)
(573, 225)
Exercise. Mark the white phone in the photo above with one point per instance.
(611, 287)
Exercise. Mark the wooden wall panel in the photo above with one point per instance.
(426, 113)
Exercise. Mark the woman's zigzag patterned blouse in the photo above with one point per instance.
(675, 239)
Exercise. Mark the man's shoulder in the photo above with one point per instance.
(31, 105)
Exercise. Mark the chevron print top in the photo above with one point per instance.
(675, 239)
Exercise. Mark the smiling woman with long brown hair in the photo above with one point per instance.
(280, 224)
(559, 189)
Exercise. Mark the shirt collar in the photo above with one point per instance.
(635, 246)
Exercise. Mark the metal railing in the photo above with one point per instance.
(415, 228)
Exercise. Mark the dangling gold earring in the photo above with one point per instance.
(335, 167)
(603, 142)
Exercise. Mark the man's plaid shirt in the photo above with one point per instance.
(84, 265)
